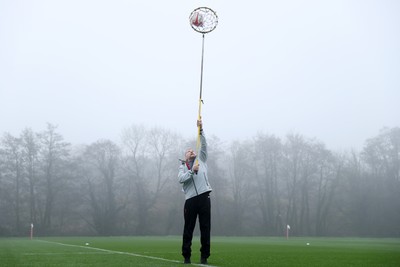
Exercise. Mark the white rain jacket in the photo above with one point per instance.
(195, 184)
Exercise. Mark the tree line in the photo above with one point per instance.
(260, 185)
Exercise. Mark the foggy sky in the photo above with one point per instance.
(324, 69)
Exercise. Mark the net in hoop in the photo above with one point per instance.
(203, 19)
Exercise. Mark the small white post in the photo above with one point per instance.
(31, 231)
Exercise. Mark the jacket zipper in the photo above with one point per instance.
(194, 184)
(205, 178)
(195, 188)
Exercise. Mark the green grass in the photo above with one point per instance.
(226, 251)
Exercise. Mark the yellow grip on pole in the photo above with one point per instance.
(198, 132)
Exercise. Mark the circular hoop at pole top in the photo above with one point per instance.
(203, 20)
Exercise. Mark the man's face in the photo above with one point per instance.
(190, 154)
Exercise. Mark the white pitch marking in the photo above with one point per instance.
(75, 253)
(121, 252)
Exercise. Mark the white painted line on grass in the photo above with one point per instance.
(75, 253)
(121, 253)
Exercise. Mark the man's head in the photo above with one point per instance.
(190, 154)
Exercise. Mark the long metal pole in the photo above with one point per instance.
(200, 98)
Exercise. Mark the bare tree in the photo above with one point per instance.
(293, 152)
(134, 165)
(328, 178)
(353, 203)
(300, 170)
(12, 152)
(102, 159)
(240, 173)
(267, 158)
(308, 178)
(149, 160)
(30, 148)
(382, 156)
(53, 153)
(162, 145)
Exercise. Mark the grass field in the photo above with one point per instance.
(226, 251)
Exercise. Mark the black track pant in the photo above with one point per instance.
(199, 205)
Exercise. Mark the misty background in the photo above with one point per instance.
(328, 70)
(98, 99)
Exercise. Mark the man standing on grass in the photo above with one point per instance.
(193, 177)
